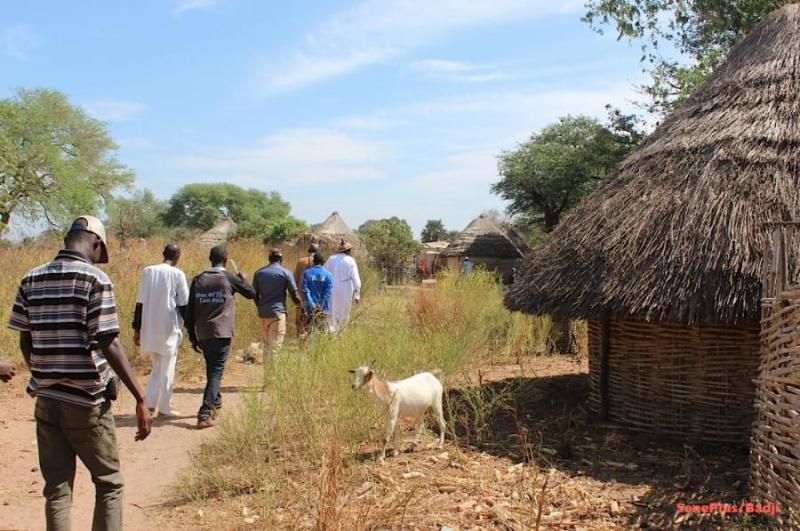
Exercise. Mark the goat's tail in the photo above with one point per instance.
(439, 375)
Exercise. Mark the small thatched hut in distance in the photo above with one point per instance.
(329, 235)
(219, 233)
(665, 260)
(488, 244)
(430, 256)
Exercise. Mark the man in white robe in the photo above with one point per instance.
(160, 308)
(346, 286)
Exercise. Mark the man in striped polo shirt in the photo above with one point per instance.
(66, 314)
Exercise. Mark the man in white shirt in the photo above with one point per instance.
(346, 286)
(158, 319)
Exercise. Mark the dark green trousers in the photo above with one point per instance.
(64, 431)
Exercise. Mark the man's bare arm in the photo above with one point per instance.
(26, 347)
(115, 354)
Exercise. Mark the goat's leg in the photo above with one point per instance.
(418, 429)
(391, 423)
(397, 435)
(437, 407)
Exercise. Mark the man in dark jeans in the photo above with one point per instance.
(210, 321)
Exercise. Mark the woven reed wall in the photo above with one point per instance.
(693, 382)
(775, 446)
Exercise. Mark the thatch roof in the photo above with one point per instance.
(485, 238)
(676, 235)
(435, 247)
(330, 233)
(219, 233)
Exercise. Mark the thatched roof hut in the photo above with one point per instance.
(219, 233)
(487, 243)
(329, 235)
(665, 259)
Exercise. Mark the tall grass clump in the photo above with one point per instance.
(277, 444)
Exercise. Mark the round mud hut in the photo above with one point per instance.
(665, 260)
(329, 235)
(487, 244)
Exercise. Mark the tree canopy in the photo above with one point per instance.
(389, 241)
(703, 31)
(55, 160)
(548, 174)
(258, 214)
(434, 231)
(136, 216)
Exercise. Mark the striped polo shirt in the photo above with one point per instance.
(66, 305)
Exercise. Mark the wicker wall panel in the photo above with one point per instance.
(695, 382)
(775, 446)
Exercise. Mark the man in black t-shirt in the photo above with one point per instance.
(210, 319)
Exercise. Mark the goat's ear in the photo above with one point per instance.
(351, 371)
(369, 375)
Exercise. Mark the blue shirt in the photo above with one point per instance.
(317, 289)
(271, 284)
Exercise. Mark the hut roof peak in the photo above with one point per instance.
(484, 237)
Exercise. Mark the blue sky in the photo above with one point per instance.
(372, 108)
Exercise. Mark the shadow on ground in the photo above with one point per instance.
(546, 420)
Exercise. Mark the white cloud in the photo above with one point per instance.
(442, 65)
(20, 41)
(110, 110)
(369, 122)
(293, 157)
(307, 69)
(192, 5)
(497, 114)
(457, 170)
(374, 31)
(459, 71)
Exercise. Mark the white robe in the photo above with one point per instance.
(346, 287)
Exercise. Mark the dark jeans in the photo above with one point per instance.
(64, 431)
(215, 351)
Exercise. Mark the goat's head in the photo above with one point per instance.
(361, 376)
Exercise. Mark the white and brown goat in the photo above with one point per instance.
(406, 399)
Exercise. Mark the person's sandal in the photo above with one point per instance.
(205, 423)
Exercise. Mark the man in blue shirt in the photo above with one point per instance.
(271, 283)
(466, 266)
(317, 292)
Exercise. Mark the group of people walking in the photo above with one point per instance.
(66, 314)
(207, 308)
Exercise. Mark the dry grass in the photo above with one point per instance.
(310, 433)
(125, 268)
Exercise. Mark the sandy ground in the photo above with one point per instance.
(150, 467)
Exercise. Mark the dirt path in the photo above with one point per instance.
(150, 468)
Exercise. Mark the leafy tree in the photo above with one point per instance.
(547, 175)
(452, 235)
(137, 216)
(55, 160)
(201, 205)
(389, 241)
(285, 229)
(364, 227)
(702, 30)
(434, 231)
